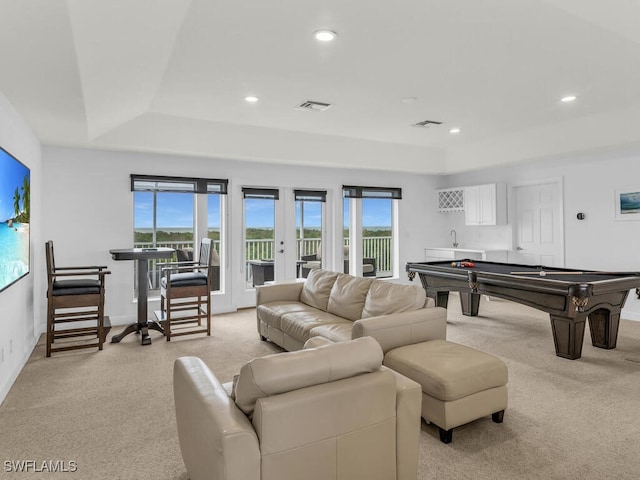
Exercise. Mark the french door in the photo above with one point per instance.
(279, 227)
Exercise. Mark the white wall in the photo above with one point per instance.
(19, 322)
(599, 242)
(89, 205)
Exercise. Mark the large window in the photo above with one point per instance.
(165, 216)
(370, 219)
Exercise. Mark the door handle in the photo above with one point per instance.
(519, 248)
(281, 250)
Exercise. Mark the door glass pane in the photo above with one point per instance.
(162, 219)
(214, 215)
(259, 214)
(345, 233)
(308, 237)
(377, 231)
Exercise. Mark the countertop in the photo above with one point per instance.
(467, 250)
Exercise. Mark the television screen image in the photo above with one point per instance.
(15, 191)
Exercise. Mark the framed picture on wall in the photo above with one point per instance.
(627, 203)
(15, 194)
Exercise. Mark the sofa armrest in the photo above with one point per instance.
(216, 439)
(281, 291)
(408, 413)
(405, 328)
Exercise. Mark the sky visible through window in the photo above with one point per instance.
(175, 210)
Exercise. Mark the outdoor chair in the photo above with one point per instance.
(314, 261)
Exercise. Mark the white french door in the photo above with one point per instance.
(279, 225)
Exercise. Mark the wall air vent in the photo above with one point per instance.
(310, 105)
(426, 124)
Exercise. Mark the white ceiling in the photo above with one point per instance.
(171, 76)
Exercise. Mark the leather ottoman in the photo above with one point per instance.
(459, 383)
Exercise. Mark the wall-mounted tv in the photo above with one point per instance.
(15, 192)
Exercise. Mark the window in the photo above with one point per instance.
(369, 218)
(165, 215)
(309, 227)
(215, 208)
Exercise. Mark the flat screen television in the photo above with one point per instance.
(15, 192)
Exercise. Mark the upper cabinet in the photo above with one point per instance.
(485, 204)
(451, 199)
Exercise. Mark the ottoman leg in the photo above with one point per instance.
(498, 416)
(446, 436)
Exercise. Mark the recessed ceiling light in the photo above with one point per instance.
(454, 130)
(568, 98)
(325, 35)
(251, 99)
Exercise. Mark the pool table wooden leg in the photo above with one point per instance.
(470, 303)
(441, 298)
(603, 325)
(568, 334)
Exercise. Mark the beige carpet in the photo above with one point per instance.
(111, 412)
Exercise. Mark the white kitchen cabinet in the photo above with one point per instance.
(485, 204)
(450, 199)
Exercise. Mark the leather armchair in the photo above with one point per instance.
(330, 412)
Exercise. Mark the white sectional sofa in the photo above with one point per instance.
(341, 307)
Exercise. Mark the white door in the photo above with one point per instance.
(264, 244)
(274, 227)
(538, 224)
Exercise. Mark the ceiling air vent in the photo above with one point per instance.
(426, 124)
(310, 105)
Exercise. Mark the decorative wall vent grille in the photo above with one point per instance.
(426, 123)
(451, 200)
(310, 105)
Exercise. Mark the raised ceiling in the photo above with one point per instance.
(171, 76)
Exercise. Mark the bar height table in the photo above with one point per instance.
(142, 255)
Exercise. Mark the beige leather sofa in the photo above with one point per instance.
(341, 307)
(331, 412)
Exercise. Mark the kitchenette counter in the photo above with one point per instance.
(434, 254)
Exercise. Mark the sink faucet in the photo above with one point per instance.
(455, 240)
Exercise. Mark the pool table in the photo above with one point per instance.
(570, 296)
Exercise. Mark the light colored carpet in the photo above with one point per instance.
(111, 412)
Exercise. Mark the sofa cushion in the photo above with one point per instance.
(299, 324)
(348, 296)
(285, 372)
(317, 288)
(336, 332)
(384, 298)
(271, 312)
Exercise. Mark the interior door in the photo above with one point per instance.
(538, 224)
